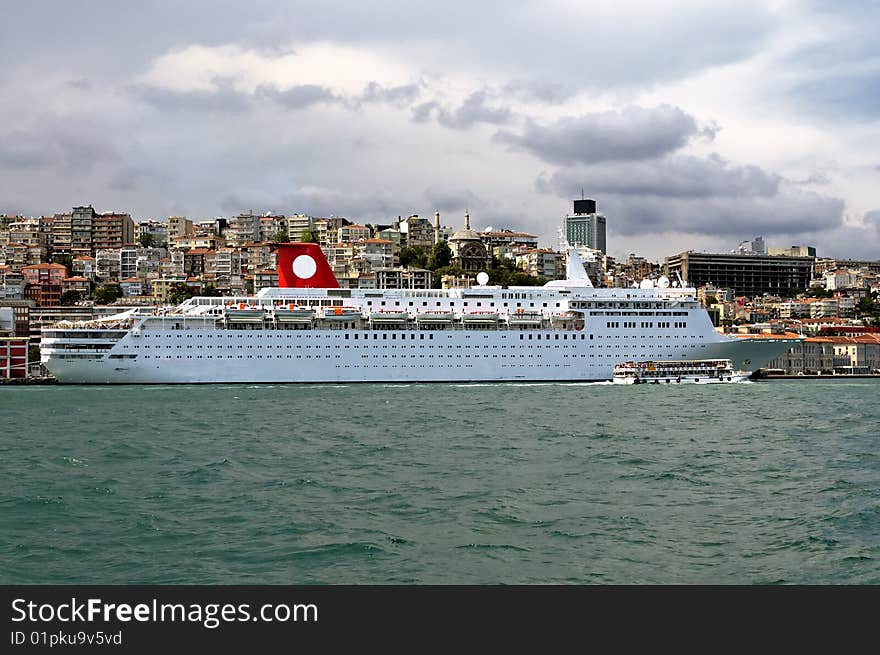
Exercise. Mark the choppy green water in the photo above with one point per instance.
(771, 482)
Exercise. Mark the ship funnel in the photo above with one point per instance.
(574, 270)
(303, 265)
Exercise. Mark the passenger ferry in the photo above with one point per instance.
(310, 330)
(696, 371)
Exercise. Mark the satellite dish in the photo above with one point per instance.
(646, 284)
(482, 279)
(663, 282)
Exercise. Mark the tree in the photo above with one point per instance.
(108, 294)
(70, 297)
(210, 291)
(441, 256)
(148, 240)
(64, 260)
(180, 291)
(412, 256)
(280, 236)
(309, 237)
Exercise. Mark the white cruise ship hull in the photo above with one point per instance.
(202, 356)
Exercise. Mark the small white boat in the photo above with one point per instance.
(693, 371)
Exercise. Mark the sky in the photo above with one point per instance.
(695, 125)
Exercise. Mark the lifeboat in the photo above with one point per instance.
(438, 316)
(522, 317)
(342, 313)
(389, 316)
(245, 314)
(294, 314)
(480, 317)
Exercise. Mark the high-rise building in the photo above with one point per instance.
(585, 226)
(81, 226)
(112, 230)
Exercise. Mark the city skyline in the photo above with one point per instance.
(694, 127)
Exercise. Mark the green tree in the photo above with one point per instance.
(441, 256)
(70, 297)
(107, 294)
(308, 236)
(64, 260)
(180, 291)
(411, 256)
(210, 290)
(148, 240)
(280, 236)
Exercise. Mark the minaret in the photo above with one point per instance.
(436, 227)
(467, 220)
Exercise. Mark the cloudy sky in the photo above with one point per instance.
(695, 125)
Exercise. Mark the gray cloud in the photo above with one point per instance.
(222, 98)
(398, 95)
(473, 110)
(545, 91)
(632, 133)
(422, 113)
(453, 199)
(872, 218)
(53, 142)
(296, 97)
(676, 176)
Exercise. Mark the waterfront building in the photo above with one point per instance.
(15, 256)
(178, 228)
(403, 278)
(831, 264)
(297, 224)
(749, 275)
(81, 230)
(265, 278)
(379, 253)
(13, 357)
(157, 229)
(61, 234)
(112, 230)
(418, 232)
(352, 233)
(76, 284)
(21, 309)
(44, 283)
(541, 262)
(585, 226)
(84, 265)
(243, 229)
(841, 279)
(107, 264)
(468, 251)
(131, 287)
(793, 251)
(270, 225)
(508, 241)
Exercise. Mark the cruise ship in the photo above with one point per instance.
(310, 330)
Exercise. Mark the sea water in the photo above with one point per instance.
(766, 482)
